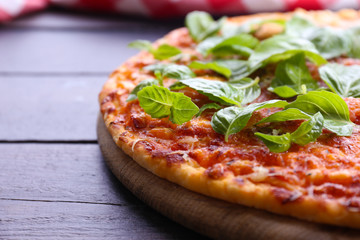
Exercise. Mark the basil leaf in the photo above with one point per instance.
(201, 25)
(239, 68)
(285, 115)
(204, 46)
(298, 26)
(172, 70)
(165, 51)
(218, 91)
(292, 77)
(333, 108)
(276, 143)
(330, 42)
(354, 35)
(207, 106)
(141, 85)
(141, 45)
(241, 44)
(160, 102)
(343, 80)
(281, 47)
(213, 66)
(177, 86)
(308, 131)
(250, 87)
(231, 120)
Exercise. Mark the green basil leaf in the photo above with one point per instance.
(343, 80)
(177, 86)
(292, 77)
(308, 131)
(172, 70)
(330, 42)
(141, 45)
(250, 87)
(204, 46)
(218, 91)
(241, 44)
(286, 115)
(165, 51)
(141, 85)
(298, 26)
(213, 66)
(201, 25)
(207, 106)
(281, 47)
(160, 102)
(239, 68)
(354, 35)
(333, 108)
(231, 120)
(276, 143)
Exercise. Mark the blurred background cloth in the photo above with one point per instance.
(170, 8)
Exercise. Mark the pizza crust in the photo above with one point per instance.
(191, 175)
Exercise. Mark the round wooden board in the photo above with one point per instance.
(211, 217)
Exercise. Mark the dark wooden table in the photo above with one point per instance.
(54, 183)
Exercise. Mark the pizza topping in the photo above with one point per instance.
(164, 51)
(292, 56)
(343, 80)
(160, 102)
(292, 77)
(201, 25)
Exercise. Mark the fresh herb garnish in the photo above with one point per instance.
(231, 120)
(208, 106)
(222, 92)
(141, 85)
(330, 42)
(212, 66)
(171, 71)
(306, 133)
(292, 77)
(160, 102)
(276, 143)
(164, 51)
(201, 25)
(332, 107)
(241, 44)
(250, 87)
(281, 47)
(343, 80)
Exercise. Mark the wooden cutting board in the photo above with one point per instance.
(211, 217)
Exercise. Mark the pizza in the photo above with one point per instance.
(260, 110)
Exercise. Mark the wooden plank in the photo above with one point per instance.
(68, 51)
(49, 220)
(59, 172)
(49, 107)
(67, 20)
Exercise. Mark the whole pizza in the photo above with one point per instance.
(260, 110)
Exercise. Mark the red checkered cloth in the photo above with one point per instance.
(171, 8)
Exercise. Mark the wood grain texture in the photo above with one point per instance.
(90, 48)
(58, 172)
(53, 220)
(212, 217)
(65, 191)
(49, 107)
